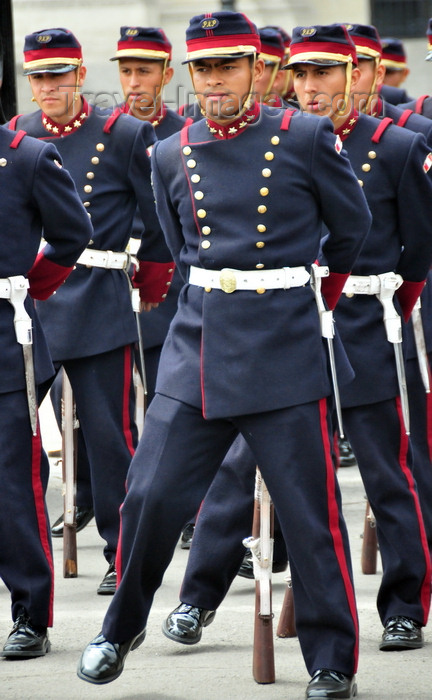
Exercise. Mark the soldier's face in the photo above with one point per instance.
(319, 89)
(54, 93)
(222, 85)
(141, 82)
(369, 74)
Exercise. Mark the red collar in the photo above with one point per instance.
(78, 120)
(155, 121)
(344, 130)
(234, 128)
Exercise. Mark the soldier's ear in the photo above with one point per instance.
(168, 75)
(259, 68)
(380, 74)
(355, 77)
(82, 72)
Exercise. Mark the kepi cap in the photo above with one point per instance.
(393, 54)
(328, 45)
(272, 45)
(366, 39)
(51, 51)
(149, 43)
(221, 35)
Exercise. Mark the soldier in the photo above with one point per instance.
(423, 104)
(244, 353)
(89, 323)
(270, 86)
(143, 55)
(38, 196)
(394, 60)
(393, 166)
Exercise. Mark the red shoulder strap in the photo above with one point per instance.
(184, 135)
(385, 123)
(111, 120)
(18, 138)
(419, 104)
(286, 119)
(13, 122)
(188, 121)
(404, 117)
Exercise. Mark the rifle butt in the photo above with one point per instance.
(370, 543)
(286, 625)
(263, 648)
(70, 563)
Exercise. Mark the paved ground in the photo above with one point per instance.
(219, 668)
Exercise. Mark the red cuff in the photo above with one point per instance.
(153, 280)
(45, 277)
(332, 286)
(407, 295)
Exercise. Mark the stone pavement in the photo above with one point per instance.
(220, 666)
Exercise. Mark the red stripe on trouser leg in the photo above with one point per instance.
(334, 528)
(39, 500)
(425, 595)
(127, 387)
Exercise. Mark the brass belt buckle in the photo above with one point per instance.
(228, 280)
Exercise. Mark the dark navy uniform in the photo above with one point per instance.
(89, 323)
(36, 194)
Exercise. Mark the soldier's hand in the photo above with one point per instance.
(148, 305)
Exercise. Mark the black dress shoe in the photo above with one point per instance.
(186, 536)
(246, 567)
(401, 633)
(103, 661)
(26, 641)
(346, 455)
(83, 517)
(331, 684)
(185, 623)
(109, 582)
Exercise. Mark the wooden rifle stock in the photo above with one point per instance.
(286, 625)
(370, 543)
(262, 535)
(69, 426)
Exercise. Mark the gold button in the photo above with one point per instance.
(372, 154)
(261, 228)
(199, 195)
(275, 140)
(3, 162)
(205, 244)
(167, 284)
(366, 167)
(261, 290)
(361, 183)
(269, 155)
(206, 230)
(207, 289)
(195, 178)
(349, 295)
(89, 215)
(266, 172)
(100, 147)
(191, 163)
(260, 244)
(201, 213)
(86, 204)
(264, 191)
(164, 296)
(187, 150)
(171, 269)
(95, 160)
(90, 176)
(259, 266)
(91, 241)
(88, 188)
(262, 209)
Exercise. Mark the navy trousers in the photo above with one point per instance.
(177, 458)
(26, 563)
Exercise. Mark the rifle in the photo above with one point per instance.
(286, 625)
(261, 546)
(370, 543)
(69, 426)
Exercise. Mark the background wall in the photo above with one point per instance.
(96, 24)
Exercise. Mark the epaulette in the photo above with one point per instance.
(111, 120)
(384, 124)
(13, 122)
(419, 104)
(286, 119)
(404, 117)
(17, 139)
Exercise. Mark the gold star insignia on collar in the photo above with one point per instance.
(44, 120)
(220, 132)
(55, 129)
(346, 131)
(233, 130)
(242, 125)
(68, 128)
(77, 123)
(83, 115)
(352, 121)
(213, 130)
(49, 126)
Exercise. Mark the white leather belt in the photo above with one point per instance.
(6, 287)
(230, 280)
(371, 284)
(107, 259)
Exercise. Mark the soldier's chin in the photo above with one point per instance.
(215, 109)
